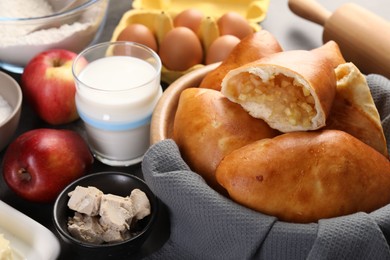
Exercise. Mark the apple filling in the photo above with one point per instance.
(286, 99)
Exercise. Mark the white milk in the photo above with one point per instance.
(115, 99)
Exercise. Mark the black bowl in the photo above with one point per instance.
(117, 183)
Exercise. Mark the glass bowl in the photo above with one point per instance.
(22, 38)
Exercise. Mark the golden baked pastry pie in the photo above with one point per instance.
(302, 177)
(207, 126)
(250, 48)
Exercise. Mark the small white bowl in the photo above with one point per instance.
(12, 93)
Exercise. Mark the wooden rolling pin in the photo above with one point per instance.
(363, 37)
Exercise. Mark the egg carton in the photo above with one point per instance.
(158, 16)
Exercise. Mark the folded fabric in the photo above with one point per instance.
(207, 225)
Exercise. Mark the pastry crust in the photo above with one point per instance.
(208, 126)
(302, 177)
(291, 90)
(250, 48)
(331, 51)
(354, 110)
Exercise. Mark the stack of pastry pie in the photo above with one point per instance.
(293, 134)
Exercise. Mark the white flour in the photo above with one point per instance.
(5, 109)
(20, 9)
(24, 9)
(11, 35)
(19, 44)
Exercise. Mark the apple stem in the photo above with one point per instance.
(57, 63)
(24, 175)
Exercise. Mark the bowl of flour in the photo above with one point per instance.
(30, 27)
(10, 108)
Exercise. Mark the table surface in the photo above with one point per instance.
(290, 30)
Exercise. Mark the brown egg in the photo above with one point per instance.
(190, 18)
(235, 24)
(180, 49)
(138, 33)
(220, 48)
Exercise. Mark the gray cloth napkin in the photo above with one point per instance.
(206, 225)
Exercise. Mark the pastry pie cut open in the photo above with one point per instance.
(354, 110)
(291, 90)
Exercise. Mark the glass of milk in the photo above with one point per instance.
(117, 88)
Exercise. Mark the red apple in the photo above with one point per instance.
(49, 86)
(40, 163)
